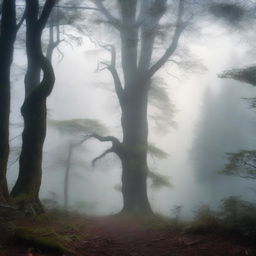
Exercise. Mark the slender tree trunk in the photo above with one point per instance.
(26, 189)
(7, 38)
(134, 160)
(67, 175)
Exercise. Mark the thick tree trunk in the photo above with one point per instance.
(7, 38)
(26, 190)
(134, 159)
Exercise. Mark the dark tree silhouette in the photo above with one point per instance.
(8, 31)
(33, 110)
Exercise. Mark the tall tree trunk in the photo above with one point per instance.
(7, 38)
(134, 159)
(132, 93)
(26, 189)
(67, 175)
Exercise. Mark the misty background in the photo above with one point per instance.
(211, 120)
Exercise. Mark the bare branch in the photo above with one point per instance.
(110, 150)
(180, 27)
(112, 139)
(253, 177)
(77, 7)
(250, 165)
(110, 18)
(21, 20)
(46, 12)
(112, 69)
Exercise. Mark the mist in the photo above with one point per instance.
(198, 119)
(211, 119)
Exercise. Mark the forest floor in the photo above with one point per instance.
(114, 236)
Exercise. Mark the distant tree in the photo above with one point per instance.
(242, 163)
(8, 31)
(140, 30)
(213, 137)
(26, 189)
(74, 129)
(238, 13)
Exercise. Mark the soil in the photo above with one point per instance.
(123, 236)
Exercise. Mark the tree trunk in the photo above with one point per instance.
(134, 159)
(26, 189)
(66, 178)
(7, 38)
(4, 117)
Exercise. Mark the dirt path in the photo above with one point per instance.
(115, 237)
(112, 236)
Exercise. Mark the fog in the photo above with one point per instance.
(211, 120)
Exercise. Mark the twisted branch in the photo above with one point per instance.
(110, 150)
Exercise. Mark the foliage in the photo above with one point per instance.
(234, 216)
(154, 151)
(246, 75)
(43, 238)
(251, 102)
(205, 220)
(164, 109)
(242, 164)
(239, 215)
(159, 180)
(78, 126)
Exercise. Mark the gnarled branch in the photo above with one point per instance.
(43, 90)
(112, 139)
(110, 150)
(180, 27)
(48, 77)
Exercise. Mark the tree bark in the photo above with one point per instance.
(7, 38)
(134, 157)
(26, 189)
(138, 35)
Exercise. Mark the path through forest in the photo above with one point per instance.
(115, 236)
